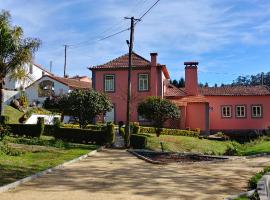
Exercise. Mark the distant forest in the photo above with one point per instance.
(249, 80)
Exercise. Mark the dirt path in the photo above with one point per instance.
(117, 175)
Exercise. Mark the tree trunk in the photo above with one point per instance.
(1, 97)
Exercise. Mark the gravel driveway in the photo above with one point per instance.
(117, 175)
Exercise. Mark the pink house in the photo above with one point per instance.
(208, 108)
(148, 78)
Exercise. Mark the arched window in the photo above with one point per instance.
(46, 88)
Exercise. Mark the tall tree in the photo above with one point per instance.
(15, 50)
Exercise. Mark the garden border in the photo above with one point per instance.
(223, 158)
(46, 171)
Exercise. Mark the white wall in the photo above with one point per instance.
(32, 90)
(48, 119)
(15, 84)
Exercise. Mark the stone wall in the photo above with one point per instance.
(263, 187)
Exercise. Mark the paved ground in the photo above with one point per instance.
(116, 175)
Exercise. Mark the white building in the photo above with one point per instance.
(49, 85)
(34, 72)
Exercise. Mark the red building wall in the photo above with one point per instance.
(219, 123)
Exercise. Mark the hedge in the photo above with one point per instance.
(77, 135)
(166, 131)
(81, 135)
(89, 126)
(29, 130)
(138, 141)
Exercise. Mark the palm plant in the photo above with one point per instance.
(15, 50)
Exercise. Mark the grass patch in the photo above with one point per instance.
(36, 157)
(210, 147)
(13, 114)
(187, 144)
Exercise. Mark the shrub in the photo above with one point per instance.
(110, 133)
(135, 128)
(23, 100)
(29, 130)
(3, 131)
(40, 125)
(122, 132)
(8, 150)
(138, 141)
(81, 135)
(166, 131)
(4, 119)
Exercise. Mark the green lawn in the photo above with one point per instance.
(205, 146)
(262, 146)
(187, 144)
(35, 158)
(13, 114)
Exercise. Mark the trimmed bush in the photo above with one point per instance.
(122, 132)
(48, 130)
(135, 128)
(4, 119)
(81, 135)
(40, 125)
(110, 133)
(166, 131)
(29, 130)
(138, 141)
(89, 126)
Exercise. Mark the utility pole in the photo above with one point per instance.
(65, 64)
(131, 40)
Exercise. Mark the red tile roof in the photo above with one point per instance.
(172, 91)
(259, 90)
(235, 91)
(122, 62)
(73, 83)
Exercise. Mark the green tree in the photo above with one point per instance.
(181, 83)
(15, 50)
(84, 105)
(158, 111)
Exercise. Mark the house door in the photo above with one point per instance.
(109, 117)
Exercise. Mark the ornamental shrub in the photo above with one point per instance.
(122, 132)
(138, 141)
(40, 126)
(135, 128)
(4, 119)
(166, 131)
(110, 136)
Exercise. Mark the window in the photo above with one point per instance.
(143, 82)
(109, 83)
(256, 111)
(226, 111)
(240, 111)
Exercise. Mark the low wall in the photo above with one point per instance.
(263, 187)
(48, 119)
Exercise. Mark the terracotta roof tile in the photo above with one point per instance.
(137, 61)
(235, 91)
(73, 83)
(173, 91)
(122, 61)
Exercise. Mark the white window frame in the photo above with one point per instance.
(143, 82)
(258, 111)
(109, 83)
(244, 115)
(228, 111)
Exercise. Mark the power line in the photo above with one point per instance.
(148, 11)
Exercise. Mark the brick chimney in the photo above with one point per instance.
(191, 78)
(153, 59)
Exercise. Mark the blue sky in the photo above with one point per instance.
(228, 37)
